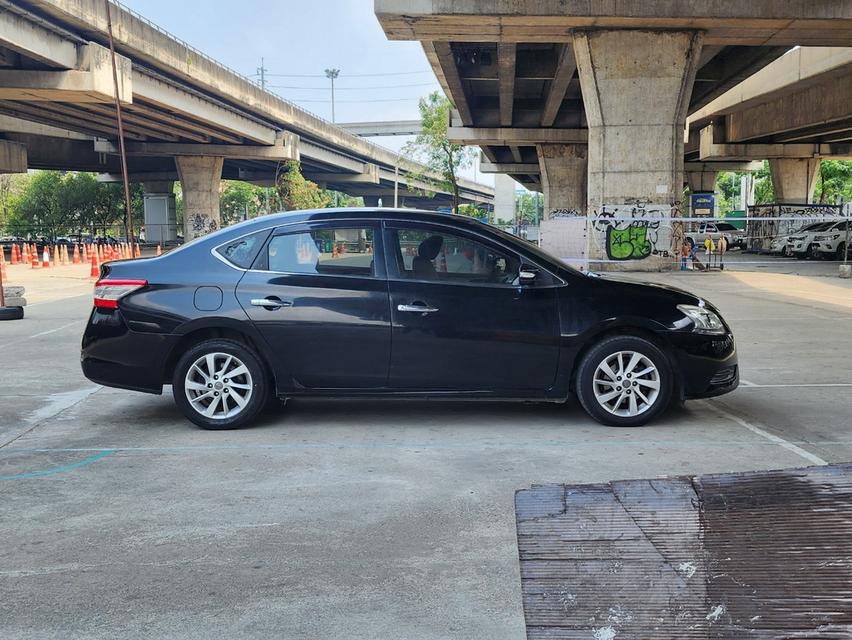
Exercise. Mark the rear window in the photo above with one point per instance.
(241, 252)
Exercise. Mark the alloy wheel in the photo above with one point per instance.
(626, 383)
(218, 385)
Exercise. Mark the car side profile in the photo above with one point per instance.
(399, 304)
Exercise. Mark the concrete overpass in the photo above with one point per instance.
(595, 95)
(793, 112)
(186, 116)
(384, 128)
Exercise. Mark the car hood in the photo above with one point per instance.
(635, 288)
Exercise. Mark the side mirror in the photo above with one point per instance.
(527, 274)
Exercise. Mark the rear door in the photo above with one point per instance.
(461, 320)
(318, 294)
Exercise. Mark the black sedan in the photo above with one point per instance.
(395, 304)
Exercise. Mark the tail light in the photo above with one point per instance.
(109, 292)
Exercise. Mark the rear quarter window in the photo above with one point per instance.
(242, 251)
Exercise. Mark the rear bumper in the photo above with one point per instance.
(116, 356)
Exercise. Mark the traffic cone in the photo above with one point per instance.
(45, 258)
(34, 260)
(65, 260)
(94, 272)
(13, 257)
(138, 251)
(2, 263)
(26, 257)
(159, 250)
(56, 256)
(76, 258)
(84, 256)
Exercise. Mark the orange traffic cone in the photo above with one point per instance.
(94, 272)
(84, 256)
(34, 260)
(65, 260)
(25, 258)
(138, 251)
(159, 250)
(76, 258)
(2, 263)
(45, 258)
(13, 257)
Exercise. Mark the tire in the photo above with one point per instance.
(786, 252)
(248, 380)
(11, 313)
(593, 395)
(840, 254)
(812, 253)
(800, 256)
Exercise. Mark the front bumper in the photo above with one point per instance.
(116, 356)
(708, 365)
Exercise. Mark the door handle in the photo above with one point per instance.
(271, 303)
(417, 307)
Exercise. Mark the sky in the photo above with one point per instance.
(379, 79)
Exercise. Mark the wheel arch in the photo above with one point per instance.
(637, 327)
(211, 329)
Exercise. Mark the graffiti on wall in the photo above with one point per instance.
(202, 224)
(634, 231)
(564, 213)
(770, 221)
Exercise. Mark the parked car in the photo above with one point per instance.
(715, 230)
(831, 242)
(395, 303)
(803, 243)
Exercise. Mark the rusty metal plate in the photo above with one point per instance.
(764, 555)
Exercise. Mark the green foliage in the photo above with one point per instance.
(473, 211)
(296, 192)
(240, 200)
(529, 206)
(764, 193)
(834, 182)
(434, 150)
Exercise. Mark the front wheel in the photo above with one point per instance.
(220, 384)
(624, 381)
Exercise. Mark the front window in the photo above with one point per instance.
(437, 255)
(346, 252)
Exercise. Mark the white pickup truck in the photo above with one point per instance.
(715, 230)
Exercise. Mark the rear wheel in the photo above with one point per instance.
(220, 384)
(624, 381)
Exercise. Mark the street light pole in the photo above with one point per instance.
(331, 74)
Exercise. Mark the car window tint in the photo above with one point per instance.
(725, 226)
(432, 255)
(323, 251)
(241, 251)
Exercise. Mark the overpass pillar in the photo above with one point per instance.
(199, 180)
(563, 230)
(794, 179)
(636, 86)
(701, 181)
(160, 216)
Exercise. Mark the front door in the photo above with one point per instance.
(318, 295)
(461, 320)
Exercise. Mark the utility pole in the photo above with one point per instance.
(331, 74)
(261, 70)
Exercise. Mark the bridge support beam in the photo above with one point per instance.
(563, 170)
(703, 181)
(199, 180)
(636, 87)
(794, 179)
(13, 157)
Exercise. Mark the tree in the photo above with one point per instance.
(432, 147)
(296, 192)
(239, 200)
(834, 182)
(41, 208)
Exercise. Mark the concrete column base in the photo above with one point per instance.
(199, 179)
(636, 87)
(845, 271)
(794, 179)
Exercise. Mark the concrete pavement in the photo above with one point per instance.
(350, 519)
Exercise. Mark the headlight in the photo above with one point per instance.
(705, 321)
